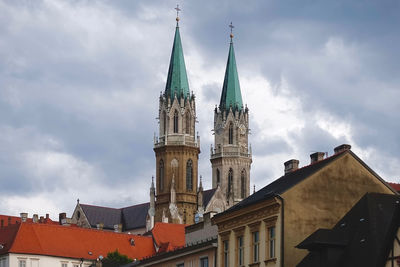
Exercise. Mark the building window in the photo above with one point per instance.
(22, 263)
(226, 253)
(271, 241)
(176, 121)
(164, 122)
(240, 253)
(218, 177)
(204, 262)
(188, 123)
(243, 184)
(161, 173)
(256, 245)
(64, 264)
(231, 133)
(189, 175)
(180, 265)
(230, 180)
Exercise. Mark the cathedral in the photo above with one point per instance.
(177, 194)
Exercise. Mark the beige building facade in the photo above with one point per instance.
(292, 207)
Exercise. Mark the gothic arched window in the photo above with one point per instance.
(176, 121)
(243, 184)
(230, 180)
(218, 177)
(189, 175)
(164, 122)
(231, 133)
(161, 175)
(187, 123)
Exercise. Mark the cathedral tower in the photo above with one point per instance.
(177, 148)
(230, 156)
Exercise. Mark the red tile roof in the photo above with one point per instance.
(169, 236)
(395, 186)
(14, 219)
(71, 242)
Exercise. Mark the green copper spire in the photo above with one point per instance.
(231, 95)
(177, 81)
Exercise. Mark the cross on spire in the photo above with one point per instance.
(177, 13)
(231, 26)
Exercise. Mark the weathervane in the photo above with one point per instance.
(231, 26)
(177, 13)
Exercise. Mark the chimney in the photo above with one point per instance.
(291, 165)
(62, 218)
(317, 156)
(41, 220)
(342, 148)
(100, 226)
(35, 218)
(47, 216)
(24, 216)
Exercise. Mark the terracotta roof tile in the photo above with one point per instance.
(395, 186)
(169, 236)
(72, 242)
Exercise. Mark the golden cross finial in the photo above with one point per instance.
(231, 26)
(177, 12)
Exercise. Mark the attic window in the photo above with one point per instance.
(90, 253)
(1, 246)
(132, 241)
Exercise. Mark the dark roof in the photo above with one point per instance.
(131, 217)
(135, 216)
(207, 195)
(282, 184)
(97, 214)
(365, 234)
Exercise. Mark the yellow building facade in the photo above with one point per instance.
(272, 221)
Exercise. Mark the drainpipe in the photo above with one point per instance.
(282, 229)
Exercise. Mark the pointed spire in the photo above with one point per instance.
(177, 81)
(231, 95)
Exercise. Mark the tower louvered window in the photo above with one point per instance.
(230, 180)
(189, 175)
(188, 123)
(218, 177)
(164, 122)
(176, 121)
(243, 184)
(231, 133)
(161, 171)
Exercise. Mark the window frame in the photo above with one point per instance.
(189, 175)
(230, 133)
(176, 121)
(201, 261)
(161, 170)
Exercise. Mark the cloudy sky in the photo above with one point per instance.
(80, 81)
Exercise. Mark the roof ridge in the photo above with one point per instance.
(141, 204)
(96, 206)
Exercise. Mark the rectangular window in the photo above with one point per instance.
(22, 263)
(271, 241)
(240, 247)
(180, 265)
(204, 262)
(226, 253)
(64, 264)
(256, 246)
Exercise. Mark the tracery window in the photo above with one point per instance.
(176, 117)
(161, 173)
(188, 123)
(230, 133)
(243, 184)
(189, 175)
(230, 180)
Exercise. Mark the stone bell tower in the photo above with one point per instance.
(231, 157)
(176, 148)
